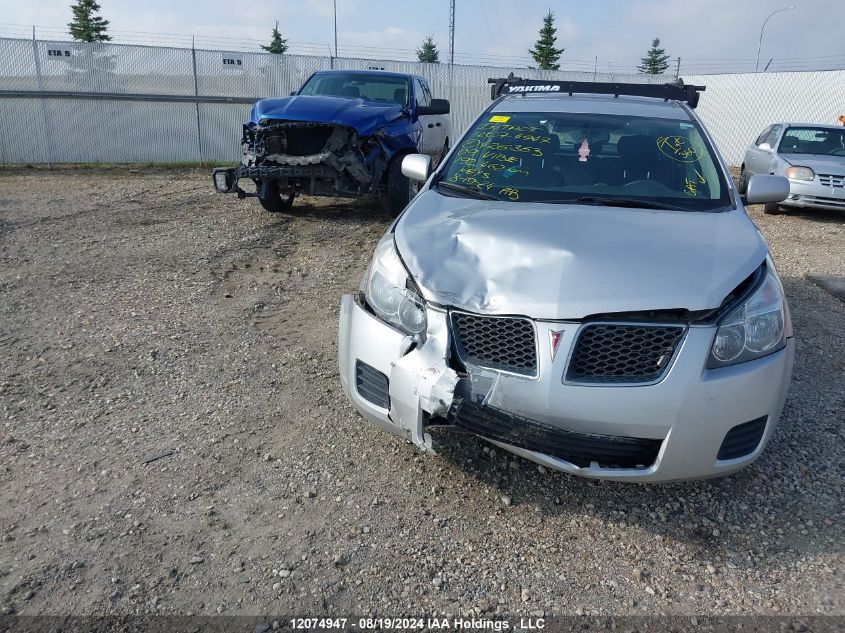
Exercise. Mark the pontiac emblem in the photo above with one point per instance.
(554, 339)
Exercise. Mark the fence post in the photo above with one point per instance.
(197, 95)
(46, 138)
(678, 69)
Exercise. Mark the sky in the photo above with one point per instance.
(618, 32)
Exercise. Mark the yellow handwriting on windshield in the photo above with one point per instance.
(677, 148)
(691, 184)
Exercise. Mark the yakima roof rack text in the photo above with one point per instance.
(675, 91)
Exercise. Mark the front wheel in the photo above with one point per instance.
(271, 197)
(772, 208)
(399, 189)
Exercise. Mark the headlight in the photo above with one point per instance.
(389, 293)
(754, 329)
(800, 173)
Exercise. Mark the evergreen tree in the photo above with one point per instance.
(87, 26)
(278, 44)
(544, 52)
(656, 60)
(428, 52)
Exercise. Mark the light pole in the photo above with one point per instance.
(760, 43)
(334, 3)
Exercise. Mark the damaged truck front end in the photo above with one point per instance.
(289, 158)
(343, 134)
(307, 157)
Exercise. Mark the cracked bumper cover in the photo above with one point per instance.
(687, 414)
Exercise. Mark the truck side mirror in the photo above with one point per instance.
(438, 106)
(765, 147)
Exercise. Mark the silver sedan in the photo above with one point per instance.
(578, 283)
(811, 156)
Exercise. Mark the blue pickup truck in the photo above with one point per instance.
(343, 133)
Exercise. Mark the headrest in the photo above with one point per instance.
(636, 147)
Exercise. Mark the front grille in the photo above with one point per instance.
(372, 385)
(581, 449)
(822, 201)
(623, 353)
(293, 138)
(743, 439)
(505, 343)
(832, 180)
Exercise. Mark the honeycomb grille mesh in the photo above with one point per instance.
(623, 353)
(505, 343)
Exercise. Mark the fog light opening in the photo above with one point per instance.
(222, 182)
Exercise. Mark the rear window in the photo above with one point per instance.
(535, 157)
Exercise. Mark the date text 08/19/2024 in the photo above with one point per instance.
(422, 623)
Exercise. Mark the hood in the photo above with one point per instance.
(365, 116)
(557, 262)
(819, 163)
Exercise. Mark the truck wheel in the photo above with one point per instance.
(271, 198)
(399, 189)
(772, 208)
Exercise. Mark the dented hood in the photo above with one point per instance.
(554, 261)
(365, 116)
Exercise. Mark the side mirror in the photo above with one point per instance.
(762, 189)
(765, 147)
(293, 93)
(438, 106)
(418, 167)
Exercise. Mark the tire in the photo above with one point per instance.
(271, 198)
(742, 185)
(772, 208)
(398, 188)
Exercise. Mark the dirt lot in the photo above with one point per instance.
(141, 313)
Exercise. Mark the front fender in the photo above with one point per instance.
(402, 136)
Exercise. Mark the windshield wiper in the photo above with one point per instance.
(617, 202)
(469, 191)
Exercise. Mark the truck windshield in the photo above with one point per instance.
(589, 159)
(359, 86)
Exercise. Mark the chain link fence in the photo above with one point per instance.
(70, 102)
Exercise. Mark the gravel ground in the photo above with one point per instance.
(142, 317)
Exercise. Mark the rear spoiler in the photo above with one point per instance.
(677, 91)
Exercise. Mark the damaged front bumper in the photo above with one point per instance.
(673, 430)
(305, 157)
(309, 177)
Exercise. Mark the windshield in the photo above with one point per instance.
(813, 140)
(357, 85)
(588, 158)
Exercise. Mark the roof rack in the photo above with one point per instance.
(675, 91)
